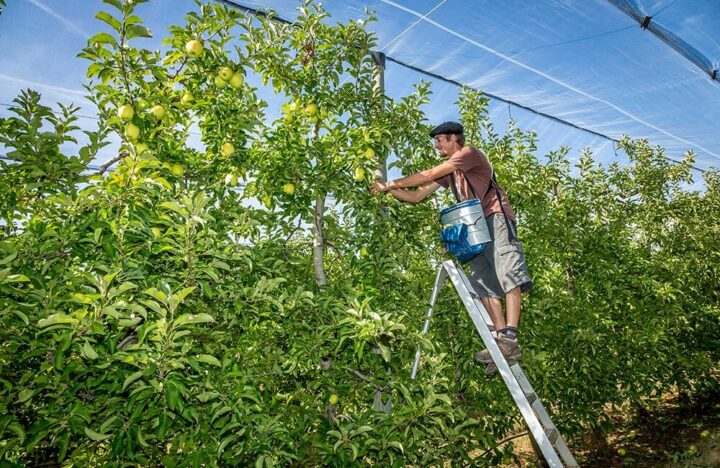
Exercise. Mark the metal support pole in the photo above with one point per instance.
(379, 88)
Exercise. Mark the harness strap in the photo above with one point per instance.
(493, 184)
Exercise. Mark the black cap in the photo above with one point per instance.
(447, 128)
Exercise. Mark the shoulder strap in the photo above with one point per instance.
(493, 184)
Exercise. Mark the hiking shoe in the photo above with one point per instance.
(490, 369)
(510, 349)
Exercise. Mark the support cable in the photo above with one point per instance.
(274, 17)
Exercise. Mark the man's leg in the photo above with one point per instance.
(494, 308)
(513, 300)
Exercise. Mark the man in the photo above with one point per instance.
(500, 271)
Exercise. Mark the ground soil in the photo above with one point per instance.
(679, 431)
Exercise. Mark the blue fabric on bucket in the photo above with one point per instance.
(454, 238)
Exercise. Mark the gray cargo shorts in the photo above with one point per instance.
(501, 267)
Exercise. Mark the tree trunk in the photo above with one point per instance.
(319, 242)
(570, 281)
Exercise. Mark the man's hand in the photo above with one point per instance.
(378, 187)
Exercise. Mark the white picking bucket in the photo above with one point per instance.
(470, 213)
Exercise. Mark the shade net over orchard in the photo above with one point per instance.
(589, 64)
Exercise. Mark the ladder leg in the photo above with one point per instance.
(480, 318)
(439, 279)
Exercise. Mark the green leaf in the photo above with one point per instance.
(397, 445)
(189, 319)
(89, 352)
(8, 259)
(24, 395)
(141, 439)
(106, 425)
(121, 289)
(102, 38)
(135, 30)
(22, 316)
(157, 294)
(96, 435)
(18, 430)
(131, 378)
(209, 359)
(109, 19)
(175, 206)
(6, 277)
(116, 3)
(207, 396)
(178, 297)
(57, 318)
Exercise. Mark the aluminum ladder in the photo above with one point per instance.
(552, 445)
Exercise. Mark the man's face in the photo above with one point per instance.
(444, 144)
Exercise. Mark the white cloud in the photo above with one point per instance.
(68, 24)
(43, 86)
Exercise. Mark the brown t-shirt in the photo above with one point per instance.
(475, 167)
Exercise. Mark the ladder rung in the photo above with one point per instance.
(531, 397)
(552, 434)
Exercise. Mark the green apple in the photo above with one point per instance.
(156, 231)
(621, 452)
(193, 48)
(177, 170)
(334, 399)
(311, 110)
(158, 111)
(359, 174)
(140, 148)
(369, 153)
(237, 80)
(289, 188)
(220, 83)
(231, 179)
(186, 99)
(267, 201)
(363, 252)
(293, 106)
(225, 73)
(227, 149)
(126, 112)
(132, 132)
(704, 434)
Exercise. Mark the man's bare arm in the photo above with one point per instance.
(417, 179)
(415, 196)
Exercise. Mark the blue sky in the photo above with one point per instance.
(583, 62)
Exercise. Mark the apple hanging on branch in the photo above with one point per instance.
(237, 80)
(158, 112)
(225, 73)
(193, 48)
(289, 188)
(359, 174)
(227, 149)
(132, 132)
(126, 112)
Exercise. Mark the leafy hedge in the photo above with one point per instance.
(157, 313)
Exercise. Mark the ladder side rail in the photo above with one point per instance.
(512, 384)
(544, 417)
(478, 303)
(439, 279)
(526, 387)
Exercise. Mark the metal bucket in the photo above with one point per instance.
(470, 213)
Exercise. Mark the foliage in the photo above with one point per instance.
(166, 313)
